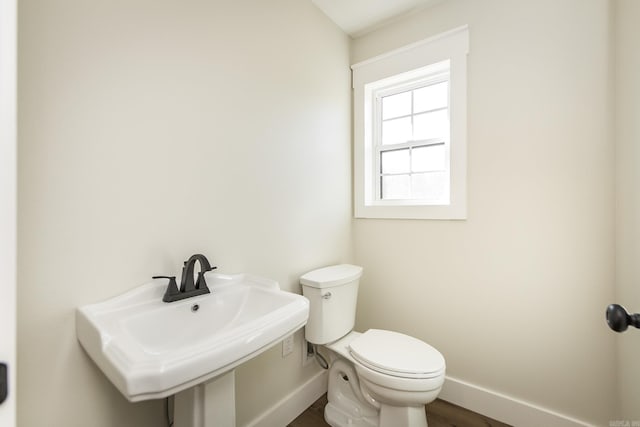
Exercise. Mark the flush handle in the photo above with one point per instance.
(327, 295)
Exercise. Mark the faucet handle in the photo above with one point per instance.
(172, 289)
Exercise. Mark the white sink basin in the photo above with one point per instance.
(150, 349)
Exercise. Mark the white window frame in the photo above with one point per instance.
(430, 58)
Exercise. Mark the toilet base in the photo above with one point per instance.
(336, 417)
(344, 407)
(389, 416)
(412, 416)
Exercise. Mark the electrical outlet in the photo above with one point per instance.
(287, 346)
(307, 352)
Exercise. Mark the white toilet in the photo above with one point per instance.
(376, 378)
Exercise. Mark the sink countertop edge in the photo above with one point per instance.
(206, 377)
(209, 363)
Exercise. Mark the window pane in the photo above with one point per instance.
(431, 186)
(431, 125)
(396, 131)
(396, 105)
(395, 161)
(430, 158)
(396, 187)
(431, 97)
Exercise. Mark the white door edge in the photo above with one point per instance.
(8, 203)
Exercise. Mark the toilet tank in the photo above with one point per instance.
(332, 293)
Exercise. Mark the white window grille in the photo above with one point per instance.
(412, 141)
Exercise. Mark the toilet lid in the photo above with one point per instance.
(396, 354)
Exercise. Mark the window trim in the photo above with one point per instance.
(402, 65)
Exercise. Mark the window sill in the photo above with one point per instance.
(435, 212)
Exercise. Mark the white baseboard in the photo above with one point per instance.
(470, 396)
(503, 408)
(292, 405)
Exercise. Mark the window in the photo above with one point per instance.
(410, 141)
(410, 131)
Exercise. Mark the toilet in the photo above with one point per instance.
(376, 378)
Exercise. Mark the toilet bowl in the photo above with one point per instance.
(373, 394)
(376, 378)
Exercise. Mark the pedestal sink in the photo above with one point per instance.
(150, 349)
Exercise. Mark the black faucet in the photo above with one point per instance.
(188, 289)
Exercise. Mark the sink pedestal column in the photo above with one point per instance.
(207, 405)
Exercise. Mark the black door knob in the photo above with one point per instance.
(619, 320)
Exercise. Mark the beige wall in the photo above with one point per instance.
(149, 131)
(628, 198)
(514, 296)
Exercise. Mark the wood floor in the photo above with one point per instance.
(439, 414)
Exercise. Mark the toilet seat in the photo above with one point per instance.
(398, 355)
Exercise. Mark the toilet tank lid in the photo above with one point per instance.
(334, 275)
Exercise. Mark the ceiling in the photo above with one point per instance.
(356, 17)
